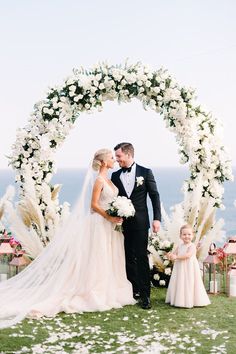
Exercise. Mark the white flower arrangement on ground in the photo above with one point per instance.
(161, 266)
(122, 207)
(33, 226)
(197, 132)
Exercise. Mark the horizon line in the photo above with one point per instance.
(79, 167)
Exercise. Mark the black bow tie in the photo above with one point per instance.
(127, 169)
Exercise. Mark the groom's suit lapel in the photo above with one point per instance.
(137, 173)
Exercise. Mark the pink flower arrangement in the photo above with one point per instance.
(220, 253)
(14, 243)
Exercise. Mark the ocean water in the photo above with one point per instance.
(169, 181)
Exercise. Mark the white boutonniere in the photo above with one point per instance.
(139, 180)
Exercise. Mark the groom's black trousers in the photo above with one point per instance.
(137, 264)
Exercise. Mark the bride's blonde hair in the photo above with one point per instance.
(99, 157)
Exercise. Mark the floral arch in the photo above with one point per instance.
(197, 133)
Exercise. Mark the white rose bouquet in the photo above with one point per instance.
(122, 207)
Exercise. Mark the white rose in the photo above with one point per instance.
(166, 244)
(156, 276)
(92, 100)
(98, 77)
(85, 82)
(156, 89)
(152, 103)
(26, 154)
(45, 110)
(162, 282)
(72, 88)
(70, 81)
(168, 271)
(117, 75)
(95, 83)
(55, 105)
(131, 78)
(55, 99)
(101, 86)
(162, 86)
(109, 83)
(93, 89)
(76, 98)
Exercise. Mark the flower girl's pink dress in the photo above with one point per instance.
(186, 287)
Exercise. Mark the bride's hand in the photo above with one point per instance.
(115, 219)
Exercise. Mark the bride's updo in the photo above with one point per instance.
(99, 157)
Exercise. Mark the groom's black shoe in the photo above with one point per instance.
(145, 303)
(136, 295)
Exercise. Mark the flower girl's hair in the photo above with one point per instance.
(185, 226)
(99, 157)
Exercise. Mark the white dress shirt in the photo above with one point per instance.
(128, 180)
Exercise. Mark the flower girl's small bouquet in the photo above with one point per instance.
(122, 207)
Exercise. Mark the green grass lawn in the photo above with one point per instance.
(162, 329)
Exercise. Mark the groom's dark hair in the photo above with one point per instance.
(126, 148)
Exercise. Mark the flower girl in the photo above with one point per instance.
(186, 288)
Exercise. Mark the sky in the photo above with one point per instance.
(42, 41)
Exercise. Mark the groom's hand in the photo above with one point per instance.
(156, 226)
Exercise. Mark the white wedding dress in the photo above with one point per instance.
(82, 269)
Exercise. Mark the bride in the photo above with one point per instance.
(83, 267)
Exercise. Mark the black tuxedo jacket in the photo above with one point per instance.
(139, 198)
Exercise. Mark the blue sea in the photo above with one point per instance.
(169, 181)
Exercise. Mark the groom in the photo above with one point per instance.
(135, 182)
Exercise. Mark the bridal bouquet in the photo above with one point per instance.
(122, 207)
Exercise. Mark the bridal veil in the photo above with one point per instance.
(49, 272)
